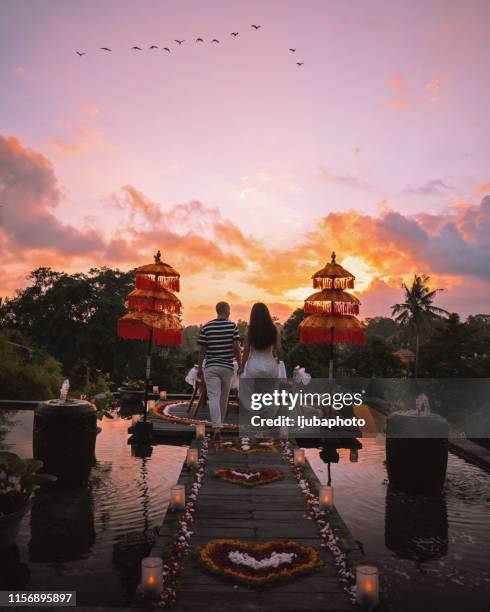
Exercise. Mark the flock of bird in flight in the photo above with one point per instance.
(180, 42)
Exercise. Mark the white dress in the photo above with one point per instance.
(261, 364)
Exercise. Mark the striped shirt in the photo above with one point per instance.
(217, 338)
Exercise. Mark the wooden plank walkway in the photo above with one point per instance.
(256, 514)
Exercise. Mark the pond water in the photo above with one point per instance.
(433, 553)
(91, 538)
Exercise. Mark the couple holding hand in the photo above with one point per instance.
(219, 343)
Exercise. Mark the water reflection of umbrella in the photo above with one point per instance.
(156, 309)
(332, 309)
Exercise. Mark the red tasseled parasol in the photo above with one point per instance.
(154, 304)
(332, 301)
(167, 329)
(333, 276)
(331, 329)
(157, 275)
(332, 309)
(154, 299)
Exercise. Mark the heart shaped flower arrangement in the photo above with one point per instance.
(246, 445)
(248, 478)
(259, 564)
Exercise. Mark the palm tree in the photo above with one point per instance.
(417, 309)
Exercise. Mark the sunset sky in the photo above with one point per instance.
(245, 169)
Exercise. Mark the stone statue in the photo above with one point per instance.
(65, 387)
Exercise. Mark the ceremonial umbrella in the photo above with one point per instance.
(154, 317)
(332, 319)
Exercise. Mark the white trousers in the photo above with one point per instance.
(218, 383)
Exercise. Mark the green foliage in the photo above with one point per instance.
(376, 358)
(137, 384)
(450, 351)
(26, 372)
(18, 479)
(417, 311)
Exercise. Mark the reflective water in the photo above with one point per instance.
(433, 553)
(90, 538)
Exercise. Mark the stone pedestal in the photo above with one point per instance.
(416, 452)
(64, 438)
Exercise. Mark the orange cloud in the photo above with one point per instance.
(397, 105)
(397, 82)
(79, 140)
(216, 259)
(482, 189)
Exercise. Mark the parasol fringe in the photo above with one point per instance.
(144, 303)
(139, 331)
(150, 281)
(320, 307)
(324, 336)
(326, 282)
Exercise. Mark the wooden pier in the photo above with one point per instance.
(274, 511)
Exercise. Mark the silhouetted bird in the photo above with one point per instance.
(179, 41)
(255, 26)
(215, 40)
(299, 63)
(81, 54)
(166, 49)
(293, 50)
(105, 49)
(234, 34)
(136, 48)
(199, 40)
(153, 47)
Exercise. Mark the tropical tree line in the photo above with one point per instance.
(64, 325)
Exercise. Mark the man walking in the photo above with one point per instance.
(219, 343)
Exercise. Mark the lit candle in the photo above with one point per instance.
(299, 456)
(150, 404)
(152, 576)
(191, 457)
(326, 497)
(354, 455)
(283, 432)
(163, 395)
(367, 586)
(177, 497)
(200, 431)
(156, 388)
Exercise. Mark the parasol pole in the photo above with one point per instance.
(148, 372)
(330, 363)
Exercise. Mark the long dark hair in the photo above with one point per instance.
(262, 332)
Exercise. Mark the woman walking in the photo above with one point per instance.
(262, 350)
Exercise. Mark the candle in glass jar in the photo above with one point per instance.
(152, 576)
(367, 586)
(177, 497)
(299, 456)
(191, 457)
(200, 431)
(326, 497)
(150, 404)
(354, 455)
(163, 395)
(283, 432)
(156, 388)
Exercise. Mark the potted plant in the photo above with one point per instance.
(18, 479)
(131, 393)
